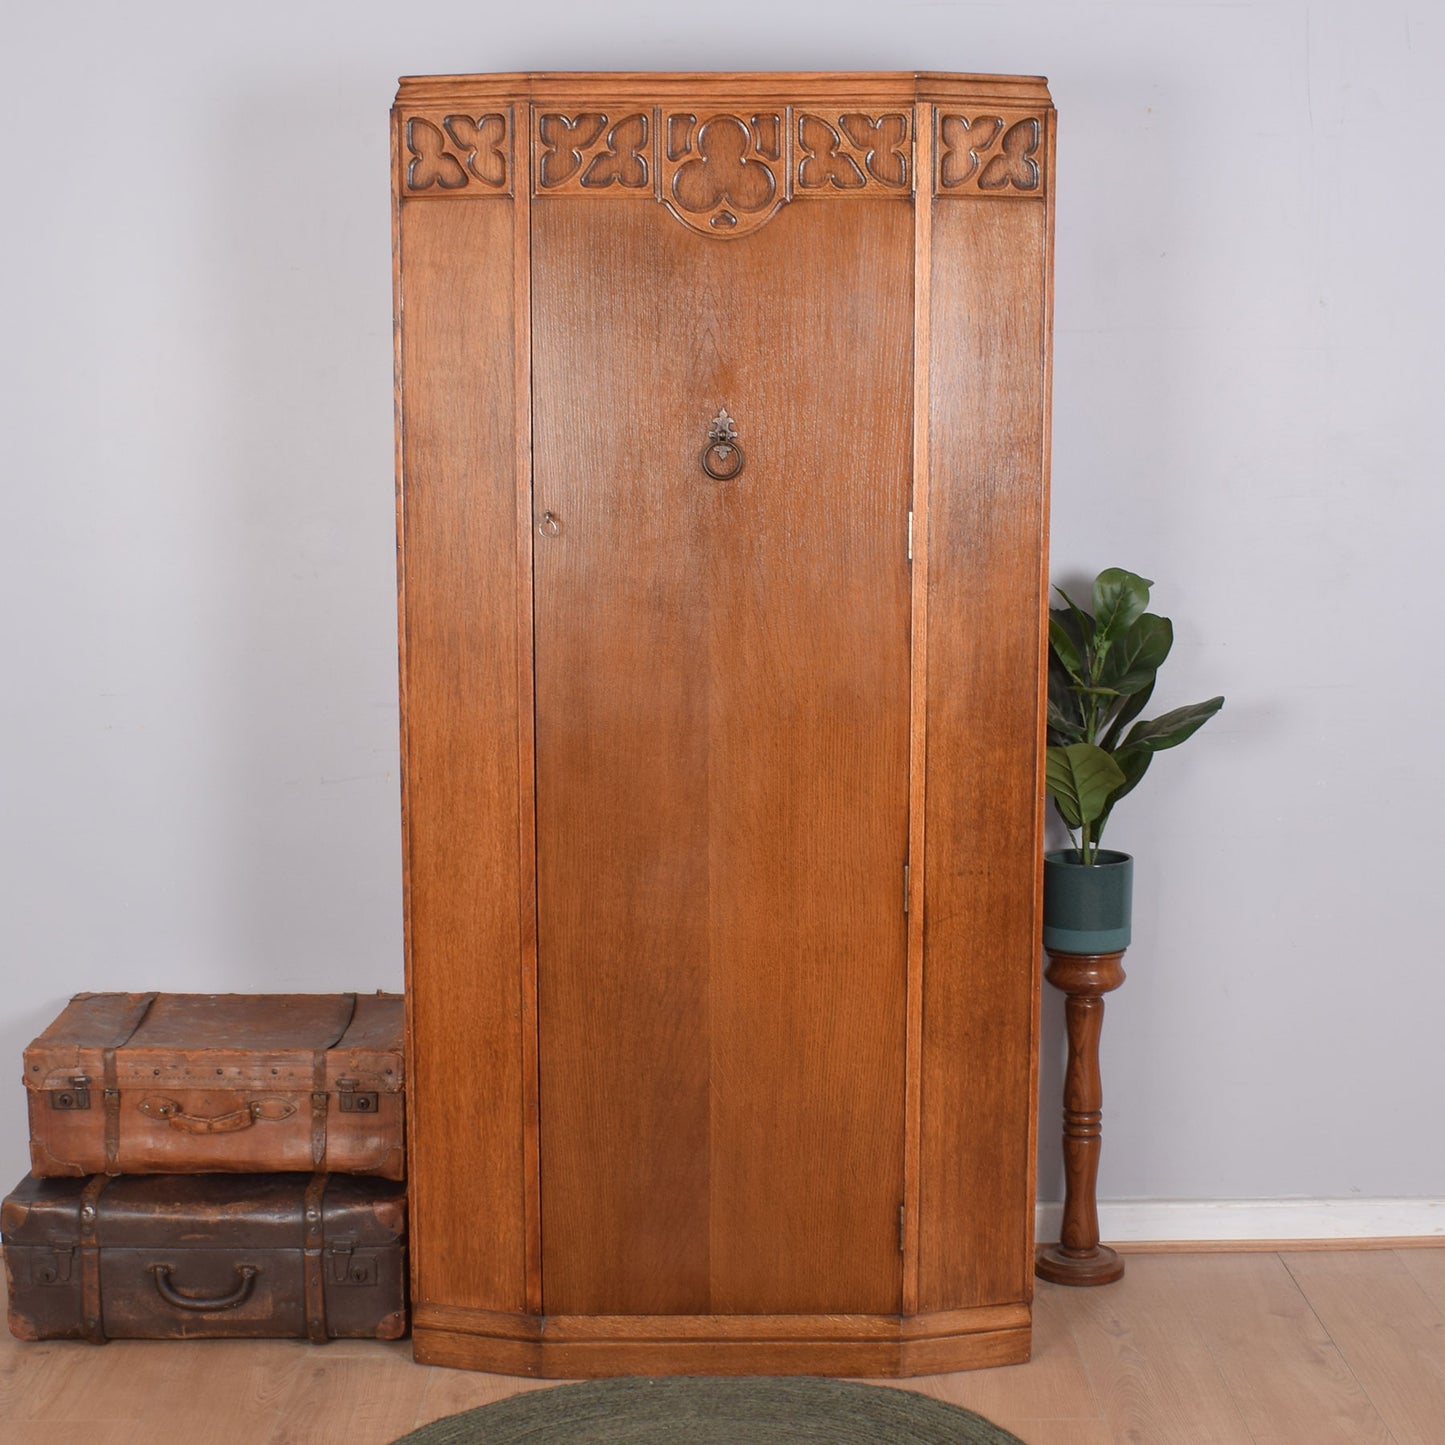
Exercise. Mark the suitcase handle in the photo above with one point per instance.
(253, 1113)
(172, 1296)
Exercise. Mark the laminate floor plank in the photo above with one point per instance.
(1427, 1268)
(1053, 1386)
(1063, 1432)
(1305, 1348)
(449, 1392)
(90, 1432)
(1148, 1365)
(196, 1386)
(1286, 1376)
(1389, 1330)
(352, 1400)
(25, 1368)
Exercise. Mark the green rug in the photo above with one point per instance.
(687, 1410)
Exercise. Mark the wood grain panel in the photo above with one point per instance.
(722, 742)
(986, 519)
(460, 680)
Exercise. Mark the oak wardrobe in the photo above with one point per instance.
(722, 458)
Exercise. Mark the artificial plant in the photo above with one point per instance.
(1102, 669)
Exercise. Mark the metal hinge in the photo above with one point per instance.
(902, 1225)
(905, 888)
(910, 536)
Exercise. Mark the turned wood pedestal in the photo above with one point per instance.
(1079, 1258)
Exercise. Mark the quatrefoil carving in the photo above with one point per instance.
(986, 153)
(480, 140)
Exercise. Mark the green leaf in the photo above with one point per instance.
(1079, 779)
(1133, 706)
(1064, 648)
(1172, 728)
(1119, 598)
(1133, 763)
(1080, 629)
(1138, 654)
(1062, 725)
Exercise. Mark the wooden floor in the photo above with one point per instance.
(1337, 1347)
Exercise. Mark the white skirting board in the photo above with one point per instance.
(1141, 1221)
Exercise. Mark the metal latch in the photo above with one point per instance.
(56, 1268)
(354, 1100)
(350, 1266)
(77, 1096)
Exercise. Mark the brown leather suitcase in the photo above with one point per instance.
(196, 1256)
(161, 1083)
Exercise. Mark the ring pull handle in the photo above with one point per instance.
(172, 1296)
(722, 457)
(253, 1113)
(549, 526)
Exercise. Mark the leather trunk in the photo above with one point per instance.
(166, 1083)
(189, 1256)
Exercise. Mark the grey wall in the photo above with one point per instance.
(199, 719)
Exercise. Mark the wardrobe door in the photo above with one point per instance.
(722, 747)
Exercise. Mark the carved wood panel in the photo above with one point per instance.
(989, 153)
(458, 152)
(851, 151)
(726, 172)
(593, 152)
(723, 174)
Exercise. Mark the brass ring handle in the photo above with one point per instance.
(549, 525)
(722, 461)
(257, 1111)
(722, 457)
(173, 1296)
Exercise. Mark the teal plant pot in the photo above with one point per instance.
(1087, 910)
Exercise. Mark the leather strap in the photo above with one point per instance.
(313, 1226)
(320, 1099)
(111, 1086)
(91, 1318)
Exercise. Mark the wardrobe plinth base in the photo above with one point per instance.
(569, 1347)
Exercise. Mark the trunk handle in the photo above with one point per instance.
(253, 1113)
(173, 1296)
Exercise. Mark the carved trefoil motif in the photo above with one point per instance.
(989, 153)
(593, 152)
(454, 152)
(723, 174)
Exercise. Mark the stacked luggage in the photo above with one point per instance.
(209, 1165)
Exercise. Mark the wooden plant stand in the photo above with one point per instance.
(1079, 1258)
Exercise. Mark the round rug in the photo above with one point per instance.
(688, 1410)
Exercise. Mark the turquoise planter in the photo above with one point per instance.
(1087, 910)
